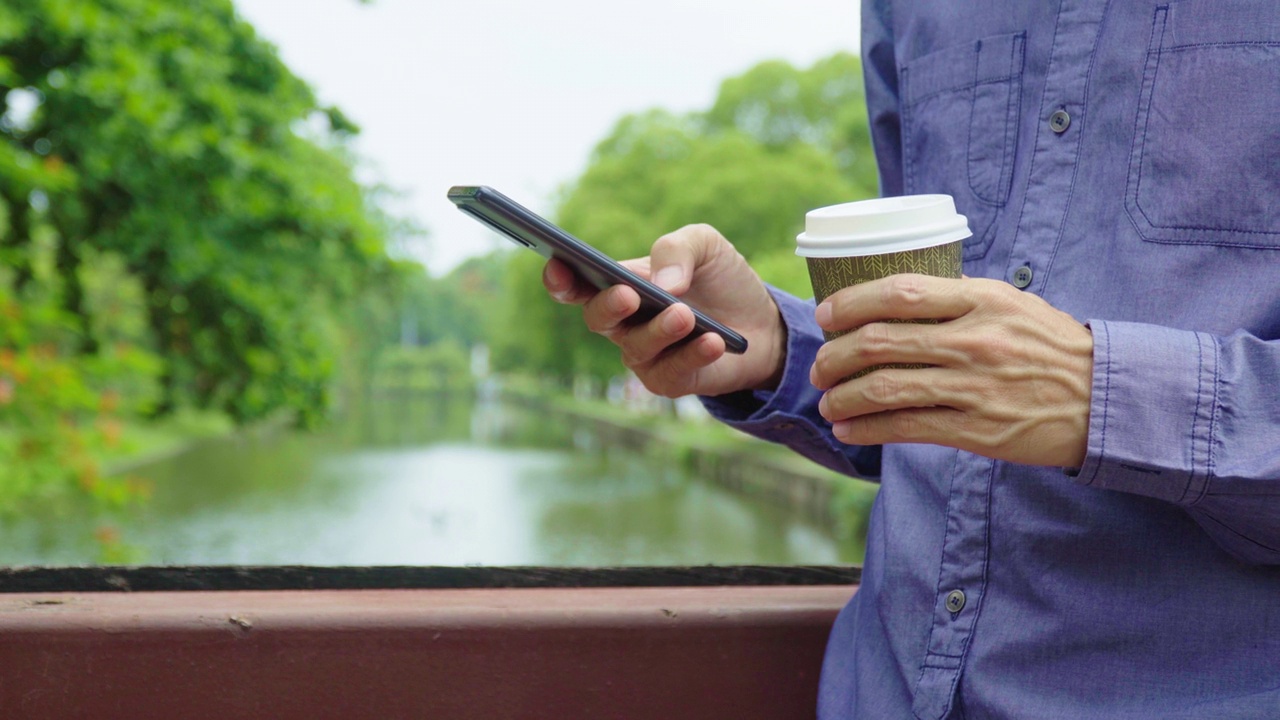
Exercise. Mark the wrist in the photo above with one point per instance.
(774, 356)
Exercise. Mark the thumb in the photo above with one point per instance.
(677, 255)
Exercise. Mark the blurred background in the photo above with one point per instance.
(240, 322)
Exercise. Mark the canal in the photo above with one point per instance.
(422, 482)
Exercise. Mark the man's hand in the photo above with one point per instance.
(695, 264)
(1011, 376)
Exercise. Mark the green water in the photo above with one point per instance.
(421, 482)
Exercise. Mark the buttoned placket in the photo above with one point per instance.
(962, 575)
(1051, 178)
(961, 581)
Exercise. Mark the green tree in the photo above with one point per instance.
(179, 228)
(823, 106)
(458, 306)
(170, 135)
(536, 336)
(62, 412)
(776, 143)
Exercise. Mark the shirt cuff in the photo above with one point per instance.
(1151, 418)
(803, 340)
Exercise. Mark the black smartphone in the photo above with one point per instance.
(523, 227)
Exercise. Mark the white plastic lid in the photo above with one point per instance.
(882, 225)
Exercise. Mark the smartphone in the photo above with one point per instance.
(523, 227)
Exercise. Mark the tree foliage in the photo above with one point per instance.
(456, 307)
(62, 412)
(778, 104)
(170, 135)
(777, 142)
(179, 228)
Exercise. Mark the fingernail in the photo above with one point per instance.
(823, 315)
(668, 277)
(822, 405)
(841, 429)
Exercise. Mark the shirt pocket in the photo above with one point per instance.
(960, 128)
(1205, 165)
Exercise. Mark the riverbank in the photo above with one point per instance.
(424, 481)
(156, 441)
(711, 452)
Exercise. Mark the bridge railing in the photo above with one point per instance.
(301, 642)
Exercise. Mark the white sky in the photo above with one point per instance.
(515, 93)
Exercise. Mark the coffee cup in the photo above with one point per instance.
(855, 242)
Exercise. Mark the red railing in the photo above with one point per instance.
(737, 643)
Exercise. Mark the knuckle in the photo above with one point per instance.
(601, 324)
(882, 389)
(656, 377)
(595, 324)
(635, 366)
(669, 380)
(904, 290)
(596, 314)
(668, 243)
(707, 239)
(993, 347)
(998, 296)
(684, 237)
(657, 387)
(822, 362)
(1002, 290)
(874, 340)
(703, 231)
(637, 345)
(968, 345)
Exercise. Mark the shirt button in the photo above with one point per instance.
(1059, 121)
(1022, 277)
(955, 601)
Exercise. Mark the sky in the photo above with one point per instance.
(516, 93)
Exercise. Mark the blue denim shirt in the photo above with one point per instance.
(1125, 157)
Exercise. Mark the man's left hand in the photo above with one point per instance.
(1010, 376)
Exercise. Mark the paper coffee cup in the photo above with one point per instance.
(860, 241)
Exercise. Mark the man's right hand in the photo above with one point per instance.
(698, 265)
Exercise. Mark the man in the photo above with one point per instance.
(1079, 512)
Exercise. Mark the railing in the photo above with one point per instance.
(382, 643)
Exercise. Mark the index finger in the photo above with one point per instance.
(896, 297)
(564, 285)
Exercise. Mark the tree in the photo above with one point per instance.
(170, 135)
(776, 143)
(823, 106)
(459, 306)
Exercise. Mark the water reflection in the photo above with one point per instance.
(427, 481)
